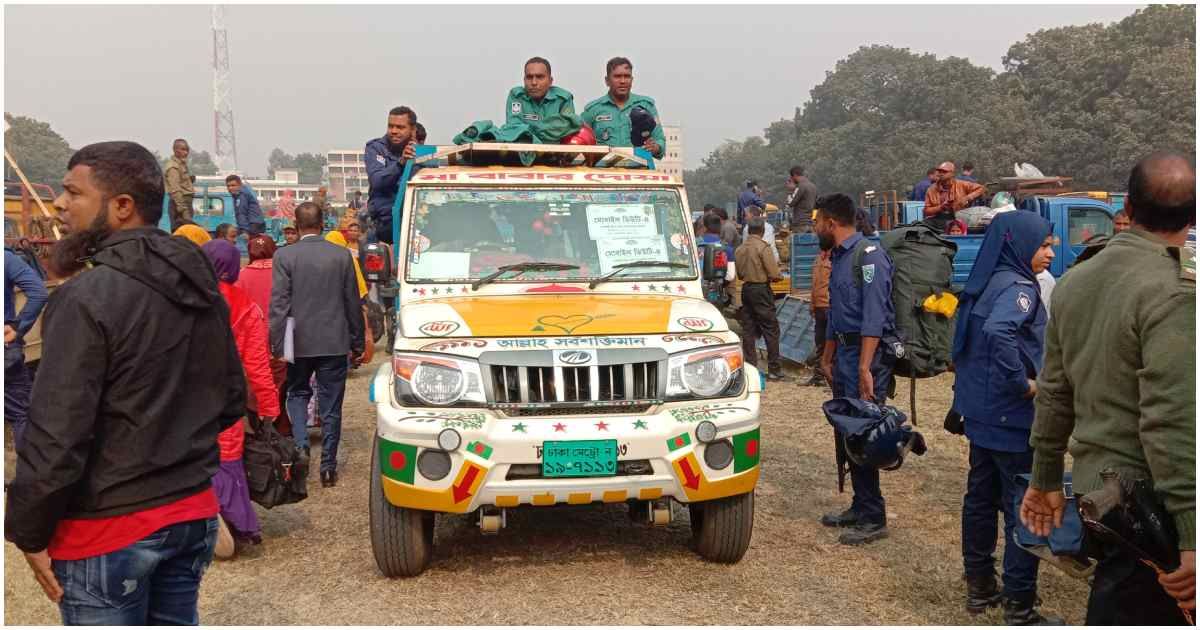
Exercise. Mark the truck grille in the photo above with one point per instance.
(596, 383)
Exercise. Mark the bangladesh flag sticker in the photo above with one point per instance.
(745, 451)
(480, 449)
(679, 441)
(397, 461)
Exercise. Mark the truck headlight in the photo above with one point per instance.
(706, 373)
(436, 380)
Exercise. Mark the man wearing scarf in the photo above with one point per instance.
(997, 354)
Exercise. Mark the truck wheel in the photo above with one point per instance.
(401, 538)
(721, 528)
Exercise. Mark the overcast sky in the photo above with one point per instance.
(314, 78)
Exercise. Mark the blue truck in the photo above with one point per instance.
(213, 205)
(1075, 219)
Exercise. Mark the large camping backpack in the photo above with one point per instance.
(923, 265)
(273, 470)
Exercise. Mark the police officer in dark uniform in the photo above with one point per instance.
(861, 316)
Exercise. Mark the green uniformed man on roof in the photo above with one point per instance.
(548, 110)
(1118, 390)
(609, 115)
(179, 184)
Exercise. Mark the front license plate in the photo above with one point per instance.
(580, 458)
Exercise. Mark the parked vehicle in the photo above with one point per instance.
(1075, 220)
(26, 228)
(213, 205)
(554, 347)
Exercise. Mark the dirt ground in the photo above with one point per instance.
(591, 565)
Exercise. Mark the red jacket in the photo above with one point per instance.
(255, 280)
(250, 334)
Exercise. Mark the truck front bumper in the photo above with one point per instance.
(498, 461)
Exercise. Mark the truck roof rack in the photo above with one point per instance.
(597, 156)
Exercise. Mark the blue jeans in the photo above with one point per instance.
(331, 390)
(17, 389)
(992, 488)
(154, 581)
(868, 501)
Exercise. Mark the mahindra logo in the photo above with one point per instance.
(575, 357)
(438, 328)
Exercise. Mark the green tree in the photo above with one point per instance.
(41, 153)
(311, 167)
(201, 163)
(277, 160)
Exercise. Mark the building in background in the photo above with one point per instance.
(347, 173)
(284, 185)
(672, 161)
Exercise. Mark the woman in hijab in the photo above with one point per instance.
(193, 233)
(255, 280)
(250, 335)
(336, 238)
(997, 355)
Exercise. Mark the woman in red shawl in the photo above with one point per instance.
(255, 280)
(250, 335)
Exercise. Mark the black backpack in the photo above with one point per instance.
(273, 471)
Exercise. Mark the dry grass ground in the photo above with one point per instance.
(590, 565)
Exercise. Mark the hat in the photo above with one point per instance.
(641, 124)
(289, 226)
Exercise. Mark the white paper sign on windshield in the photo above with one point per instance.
(613, 221)
(616, 251)
(441, 266)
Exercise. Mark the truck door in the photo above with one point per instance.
(1075, 221)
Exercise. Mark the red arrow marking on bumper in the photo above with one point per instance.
(462, 490)
(690, 478)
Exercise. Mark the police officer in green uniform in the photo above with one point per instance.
(548, 110)
(608, 116)
(1118, 389)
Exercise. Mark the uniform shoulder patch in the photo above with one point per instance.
(1024, 302)
(869, 249)
(516, 107)
(868, 273)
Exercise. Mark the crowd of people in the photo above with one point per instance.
(161, 355)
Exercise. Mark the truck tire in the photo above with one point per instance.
(721, 528)
(401, 538)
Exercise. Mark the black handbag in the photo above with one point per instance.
(274, 472)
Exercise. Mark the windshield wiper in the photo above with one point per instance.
(617, 269)
(521, 268)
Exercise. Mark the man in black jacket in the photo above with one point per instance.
(112, 502)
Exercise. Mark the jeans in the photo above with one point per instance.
(992, 487)
(17, 389)
(1126, 592)
(331, 389)
(154, 581)
(868, 501)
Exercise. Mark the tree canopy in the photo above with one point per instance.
(310, 165)
(1078, 101)
(41, 153)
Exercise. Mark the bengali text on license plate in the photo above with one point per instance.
(581, 458)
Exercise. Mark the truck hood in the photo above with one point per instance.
(559, 315)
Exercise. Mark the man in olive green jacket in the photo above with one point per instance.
(1118, 387)
(548, 110)
(179, 184)
(608, 116)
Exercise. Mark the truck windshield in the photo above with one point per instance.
(463, 234)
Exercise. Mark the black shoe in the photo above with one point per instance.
(816, 381)
(864, 533)
(778, 376)
(840, 519)
(328, 478)
(982, 592)
(1021, 610)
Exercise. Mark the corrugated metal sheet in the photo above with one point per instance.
(796, 341)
